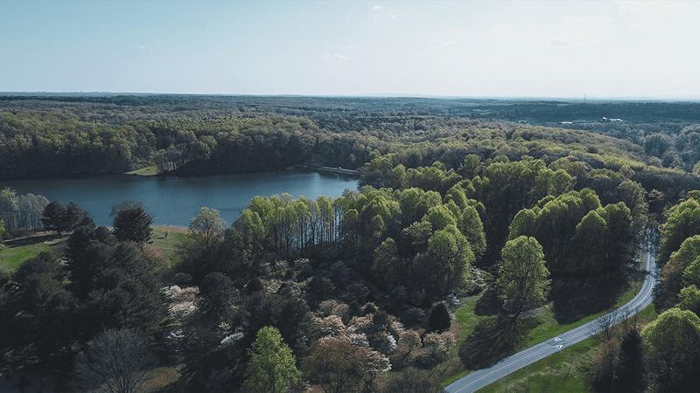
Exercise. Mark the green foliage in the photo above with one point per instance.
(682, 222)
(577, 234)
(587, 248)
(219, 296)
(271, 367)
(689, 299)
(507, 187)
(207, 227)
(672, 344)
(447, 260)
(523, 279)
(680, 269)
(439, 185)
(473, 229)
(388, 265)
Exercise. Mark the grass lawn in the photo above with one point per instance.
(565, 371)
(466, 318)
(145, 171)
(165, 243)
(12, 257)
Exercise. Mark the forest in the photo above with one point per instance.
(480, 228)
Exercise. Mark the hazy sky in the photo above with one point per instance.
(465, 48)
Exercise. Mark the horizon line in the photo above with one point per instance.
(361, 95)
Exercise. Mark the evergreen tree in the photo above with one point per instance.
(630, 372)
(439, 318)
(133, 224)
(54, 216)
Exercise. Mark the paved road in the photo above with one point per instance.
(486, 376)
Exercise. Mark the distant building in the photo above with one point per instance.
(606, 120)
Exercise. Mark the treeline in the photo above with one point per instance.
(20, 212)
(70, 136)
(51, 144)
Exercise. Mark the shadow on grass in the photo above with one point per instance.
(493, 339)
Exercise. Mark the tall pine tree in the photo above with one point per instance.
(630, 371)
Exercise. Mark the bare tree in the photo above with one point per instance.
(603, 327)
(118, 361)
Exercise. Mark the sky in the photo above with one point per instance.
(568, 49)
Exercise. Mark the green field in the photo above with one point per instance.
(12, 257)
(166, 242)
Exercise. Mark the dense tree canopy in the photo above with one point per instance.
(359, 291)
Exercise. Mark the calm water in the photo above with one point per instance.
(175, 200)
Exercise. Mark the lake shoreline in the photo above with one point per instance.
(175, 200)
(151, 172)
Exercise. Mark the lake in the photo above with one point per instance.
(176, 200)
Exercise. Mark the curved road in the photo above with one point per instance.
(486, 376)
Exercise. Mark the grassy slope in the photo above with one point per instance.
(12, 257)
(565, 371)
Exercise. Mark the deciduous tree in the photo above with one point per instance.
(523, 279)
(672, 344)
(119, 360)
(271, 368)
